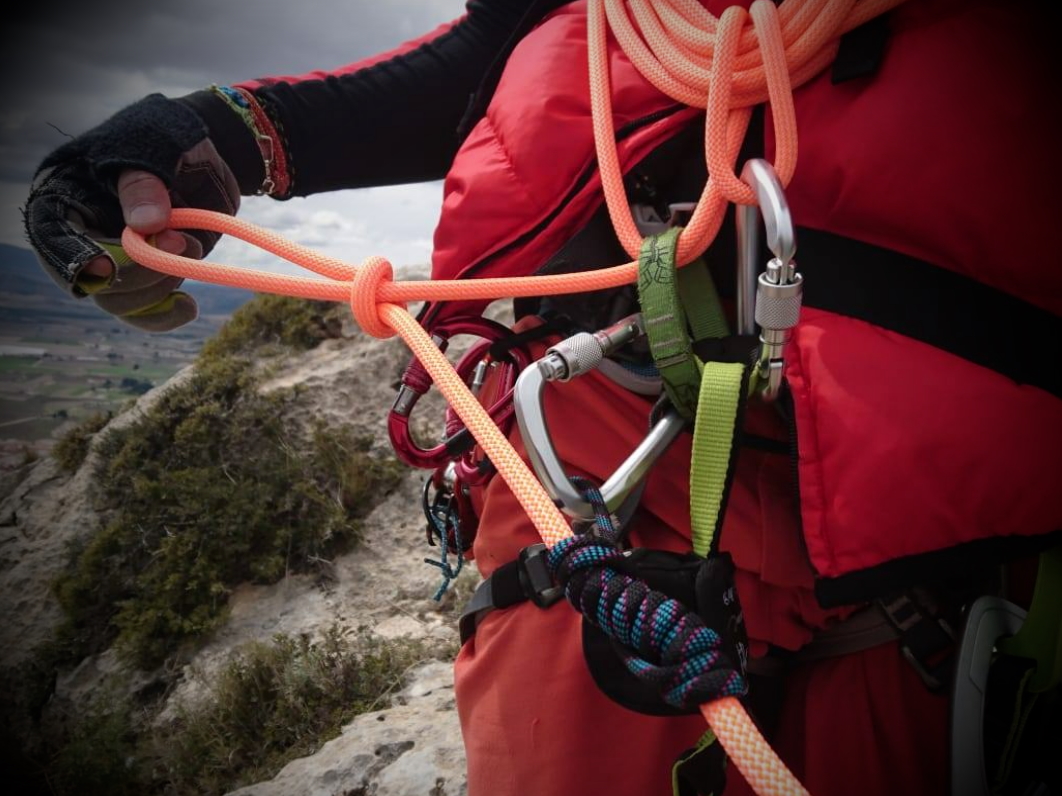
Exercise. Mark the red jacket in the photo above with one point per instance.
(904, 449)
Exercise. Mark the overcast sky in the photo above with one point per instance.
(65, 67)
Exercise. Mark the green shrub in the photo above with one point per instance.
(276, 320)
(273, 703)
(209, 488)
(72, 448)
(99, 757)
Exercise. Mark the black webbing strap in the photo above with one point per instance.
(526, 578)
(942, 308)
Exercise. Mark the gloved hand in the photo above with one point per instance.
(129, 170)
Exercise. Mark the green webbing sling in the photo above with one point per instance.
(1040, 637)
(674, 301)
(677, 303)
(699, 771)
(1026, 686)
(713, 442)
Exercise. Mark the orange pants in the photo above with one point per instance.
(535, 723)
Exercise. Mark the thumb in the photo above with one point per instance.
(145, 201)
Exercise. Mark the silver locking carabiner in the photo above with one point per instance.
(772, 299)
(572, 357)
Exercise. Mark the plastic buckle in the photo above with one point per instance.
(535, 577)
(923, 636)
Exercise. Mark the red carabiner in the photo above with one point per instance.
(416, 382)
(495, 390)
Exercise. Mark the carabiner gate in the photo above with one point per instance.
(569, 358)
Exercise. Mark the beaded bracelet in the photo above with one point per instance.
(277, 178)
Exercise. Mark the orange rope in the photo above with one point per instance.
(374, 301)
(720, 65)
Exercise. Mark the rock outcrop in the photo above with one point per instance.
(412, 748)
(410, 745)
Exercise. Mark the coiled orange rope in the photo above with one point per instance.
(720, 65)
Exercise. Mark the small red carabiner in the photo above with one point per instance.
(416, 382)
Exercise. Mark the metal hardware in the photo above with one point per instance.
(438, 509)
(989, 620)
(648, 222)
(926, 637)
(473, 368)
(569, 358)
(772, 300)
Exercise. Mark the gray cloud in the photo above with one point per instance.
(66, 66)
(69, 65)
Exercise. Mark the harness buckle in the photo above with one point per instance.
(927, 640)
(535, 577)
(648, 221)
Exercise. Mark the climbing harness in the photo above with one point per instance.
(372, 294)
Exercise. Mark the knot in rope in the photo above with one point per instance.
(667, 645)
(364, 289)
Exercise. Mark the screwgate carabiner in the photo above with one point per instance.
(779, 290)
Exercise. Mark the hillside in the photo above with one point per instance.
(21, 275)
(264, 469)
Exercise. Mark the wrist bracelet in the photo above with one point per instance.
(277, 179)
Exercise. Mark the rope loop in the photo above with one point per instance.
(665, 643)
(364, 289)
(768, 30)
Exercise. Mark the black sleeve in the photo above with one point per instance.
(396, 120)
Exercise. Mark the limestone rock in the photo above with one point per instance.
(411, 749)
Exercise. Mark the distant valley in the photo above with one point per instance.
(63, 359)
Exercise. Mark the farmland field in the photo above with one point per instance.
(62, 360)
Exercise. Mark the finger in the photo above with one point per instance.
(99, 268)
(171, 241)
(145, 201)
(192, 247)
(136, 295)
(175, 310)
